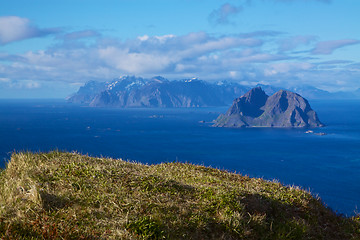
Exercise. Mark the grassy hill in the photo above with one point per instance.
(61, 195)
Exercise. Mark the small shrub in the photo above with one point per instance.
(146, 228)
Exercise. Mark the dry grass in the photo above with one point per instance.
(61, 195)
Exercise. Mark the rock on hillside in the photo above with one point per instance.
(256, 109)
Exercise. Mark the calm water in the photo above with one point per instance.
(327, 165)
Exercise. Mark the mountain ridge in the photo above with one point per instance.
(156, 92)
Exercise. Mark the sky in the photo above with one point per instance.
(48, 49)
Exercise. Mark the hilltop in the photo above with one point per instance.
(60, 195)
(256, 109)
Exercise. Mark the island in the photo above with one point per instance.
(256, 109)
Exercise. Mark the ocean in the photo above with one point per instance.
(328, 165)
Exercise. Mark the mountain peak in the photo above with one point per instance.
(158, 79)
(249, 104)
(255, 95)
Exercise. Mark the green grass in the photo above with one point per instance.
(61, 195)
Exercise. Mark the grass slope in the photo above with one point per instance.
(60, 195)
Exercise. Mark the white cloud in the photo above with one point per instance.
(222, 14)
(81, 34)
(31, 84)
(129, 62)
(165, 37)
(143, 38)
(327, 47)
(23, 84)
(233, 74)
(13, 28)
(4, 80)
(221, 44)
(286, 67)
(293, 42)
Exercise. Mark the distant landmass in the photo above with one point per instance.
(131, 91)
(257, 109)
(157, 92)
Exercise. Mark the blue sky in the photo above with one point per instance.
(50, 48)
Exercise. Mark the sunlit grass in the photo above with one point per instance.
(61, 195)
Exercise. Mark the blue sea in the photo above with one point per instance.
(328, 166)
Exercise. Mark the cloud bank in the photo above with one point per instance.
(244, 57)
(168, 54)
(260, 56)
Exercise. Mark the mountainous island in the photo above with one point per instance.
(62, 195)
(257, 109)
(132, 92)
